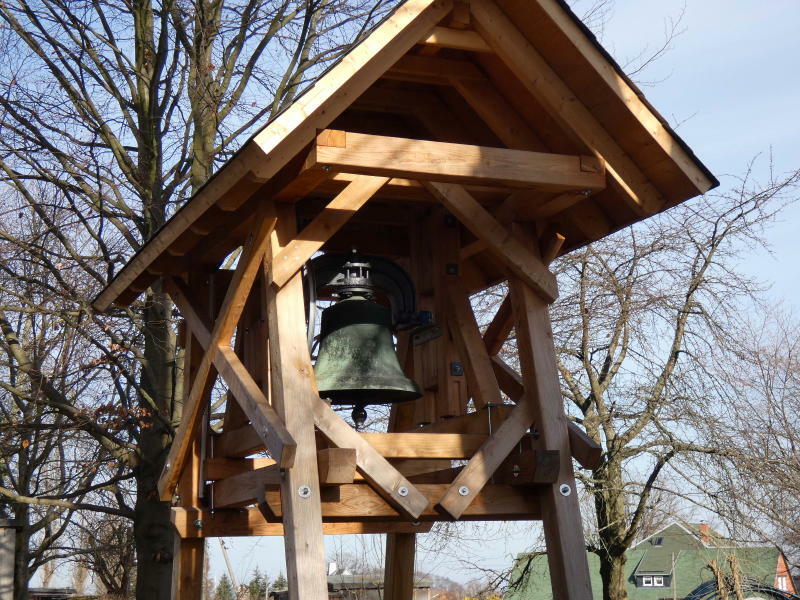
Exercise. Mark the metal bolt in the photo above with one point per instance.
(456, 369)
(463, 490)
(415, 523)
(326, 168)
(198, 524)
(516, 470)
(304, 491)
(565, 489)
(402, 491)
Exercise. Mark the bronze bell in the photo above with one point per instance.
(357, 364)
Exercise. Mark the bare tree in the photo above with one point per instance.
(754, 487)
(111, 115)
(642, 321)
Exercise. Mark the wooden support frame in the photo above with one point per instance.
(459, 163)
(218, 343)
(267, 424)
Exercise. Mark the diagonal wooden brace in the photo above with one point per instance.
(228, 317)
(486, 460)
(338, 211)
(398, 491)
(265, 420)
(517, 258)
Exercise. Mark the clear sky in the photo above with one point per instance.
(731, 85)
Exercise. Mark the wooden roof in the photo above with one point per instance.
(480, 75)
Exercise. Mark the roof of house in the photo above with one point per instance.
(681, 554)
(529, 76)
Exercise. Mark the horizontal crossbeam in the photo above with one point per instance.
(459, 163)
(200, 523)
(359, 501)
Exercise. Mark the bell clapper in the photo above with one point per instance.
(359, 416)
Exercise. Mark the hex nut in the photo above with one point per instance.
(304, 491)
(565, 489)
(463, 490)
(402, 491)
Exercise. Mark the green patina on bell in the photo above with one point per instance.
(357, 363)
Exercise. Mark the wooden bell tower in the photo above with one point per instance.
(472, 142)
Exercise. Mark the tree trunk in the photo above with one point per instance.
(609, 502)
(612, 572)
(153, 531)
(23, 534)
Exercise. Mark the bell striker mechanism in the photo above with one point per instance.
(357, 364)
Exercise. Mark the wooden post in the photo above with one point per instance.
(189, 554)
(566, 551)
(293, 390)
(399, 571)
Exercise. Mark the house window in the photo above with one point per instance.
(658, 581)
(647, 582)
(782, 583)
(659, 541)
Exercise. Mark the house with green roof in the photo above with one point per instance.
(672, 564)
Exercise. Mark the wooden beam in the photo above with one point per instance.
(336, 465)
(584, 449)
(457, 39)
(548, 88)
(466, 487)
(431, 69)
(216, 468)
(239, 442)
(461, 163)
(498, 114)
(481, 380)
(293, 390)
(360, 502)
(250, 522)
(443, 241)
(529, 467)
(517, 258)
(189, 555)
(456, 446)
(566, 547)
(388, 481)
(244, 488)
(499, 329)
(452, 445)
(338, 211)
(399, 568)
(482, 421)
(229, 314)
